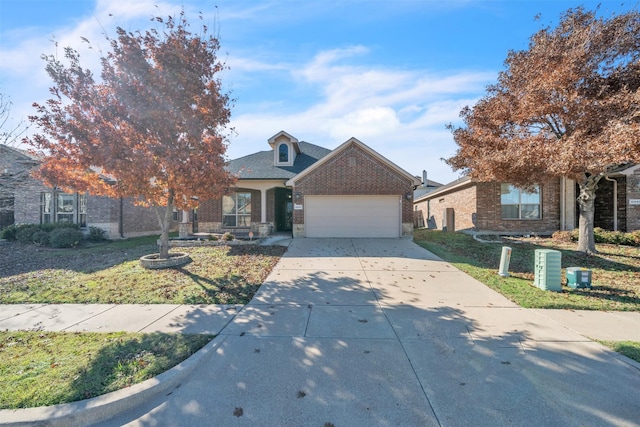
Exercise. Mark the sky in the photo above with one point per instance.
(391, 73)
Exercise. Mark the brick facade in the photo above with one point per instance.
(354, 171)
(633, 193)
(477, 207)
(489, 210)
(210, 212)
(102, 212)
(604, 215)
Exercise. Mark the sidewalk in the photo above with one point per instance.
(211, 319)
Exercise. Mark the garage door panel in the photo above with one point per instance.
(352, 216)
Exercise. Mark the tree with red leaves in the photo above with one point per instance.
(569, 106)
(152, 128)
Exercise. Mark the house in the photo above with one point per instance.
(311, 191)
(295, 187)
(32, 202)
(468, 204)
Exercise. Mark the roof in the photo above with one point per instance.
(27, 155)
(261, 166)
(354, 141)
(453, 184)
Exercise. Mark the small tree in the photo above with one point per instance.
(569, 106)
(153, 128)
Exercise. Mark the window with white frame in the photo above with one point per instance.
(283, 153)
(236, 210)
(58, 207)
(519, 204)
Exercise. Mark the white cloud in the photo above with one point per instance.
(400, 113)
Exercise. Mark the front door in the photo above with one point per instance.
(284, 210)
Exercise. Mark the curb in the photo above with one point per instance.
(108, 405)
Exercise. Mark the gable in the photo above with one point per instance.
(356, 162)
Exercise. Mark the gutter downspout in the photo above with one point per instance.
(120, 220)
(563, 203)
(615, 202)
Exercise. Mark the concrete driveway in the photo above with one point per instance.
(370, 332)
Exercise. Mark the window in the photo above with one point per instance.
(236, 210)
(283, 153)
(519, 204)
(63, 207)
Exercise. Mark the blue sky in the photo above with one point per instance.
(390, 73)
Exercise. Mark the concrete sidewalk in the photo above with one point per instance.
(366, 332)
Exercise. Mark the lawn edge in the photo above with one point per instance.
(106, 406)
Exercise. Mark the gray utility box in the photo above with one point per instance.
(578, 277)
(548, 270)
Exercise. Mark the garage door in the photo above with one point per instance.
(352, 216)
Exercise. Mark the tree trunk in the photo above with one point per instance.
(165, 224)
(586, 203)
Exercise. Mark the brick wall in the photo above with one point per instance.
(489, 210)
(603, 215)
(463, 202)
(27, 202)
(210, 211)
(352, 172)
(633, 192)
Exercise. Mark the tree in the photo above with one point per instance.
(569, 106)
(153, 128)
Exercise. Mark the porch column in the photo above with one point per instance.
(184, 227)
(263, 205)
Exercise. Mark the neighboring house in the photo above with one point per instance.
(311, 191)
(467, 204)
(35, 203)
(427, 186)
(15, 165)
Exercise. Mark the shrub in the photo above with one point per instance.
(11, 231)
(562, 236)
(25, 235)
(65, 237)
(227, 237)
(96, 234)
(41, 238)
(213, 237)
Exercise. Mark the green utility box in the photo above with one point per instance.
(578, 277)
(548, 270)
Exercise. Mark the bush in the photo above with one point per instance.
(41, 238)
(10, 232)
(65, 237)
(227, 237)
(562, 236)
(213, 237)
(25, 235)
(96, 234)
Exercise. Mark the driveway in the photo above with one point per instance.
(379, 332)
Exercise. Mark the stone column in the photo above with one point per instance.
(184, 227)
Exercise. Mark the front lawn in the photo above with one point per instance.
(48, 368)
(111, 274)
(615, 270)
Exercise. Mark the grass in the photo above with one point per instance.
(615, 274)
(631, 349)
(48, 368)
(111, 274)
(615, 270)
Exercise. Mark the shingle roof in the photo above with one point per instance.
(261, 166)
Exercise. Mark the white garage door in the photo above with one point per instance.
(352, 216)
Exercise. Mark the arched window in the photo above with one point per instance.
(283, 153)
